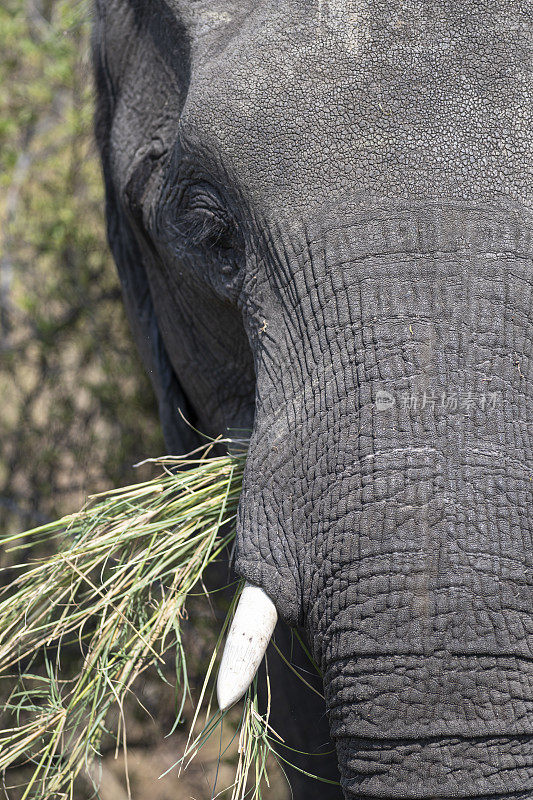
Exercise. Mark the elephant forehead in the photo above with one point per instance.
(399, 99)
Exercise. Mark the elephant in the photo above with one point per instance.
(320, 211)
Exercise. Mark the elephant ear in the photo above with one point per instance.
(174, 407)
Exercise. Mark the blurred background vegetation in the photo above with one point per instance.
(77, 410)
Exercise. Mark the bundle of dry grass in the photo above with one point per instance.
(116, 586)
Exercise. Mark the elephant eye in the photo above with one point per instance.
(211, 232)
(207, 230)
(198, 229)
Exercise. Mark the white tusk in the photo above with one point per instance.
(248, 638)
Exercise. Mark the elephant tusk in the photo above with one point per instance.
(248, 638)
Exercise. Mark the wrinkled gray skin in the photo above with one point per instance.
(310, 203)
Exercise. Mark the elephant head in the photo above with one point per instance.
(320, 211)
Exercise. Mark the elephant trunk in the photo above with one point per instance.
(417, 592)
(387, 500)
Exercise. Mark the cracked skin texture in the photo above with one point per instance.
(310, 204)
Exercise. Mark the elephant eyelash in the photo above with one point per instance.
(200, 228)
(205, 228)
